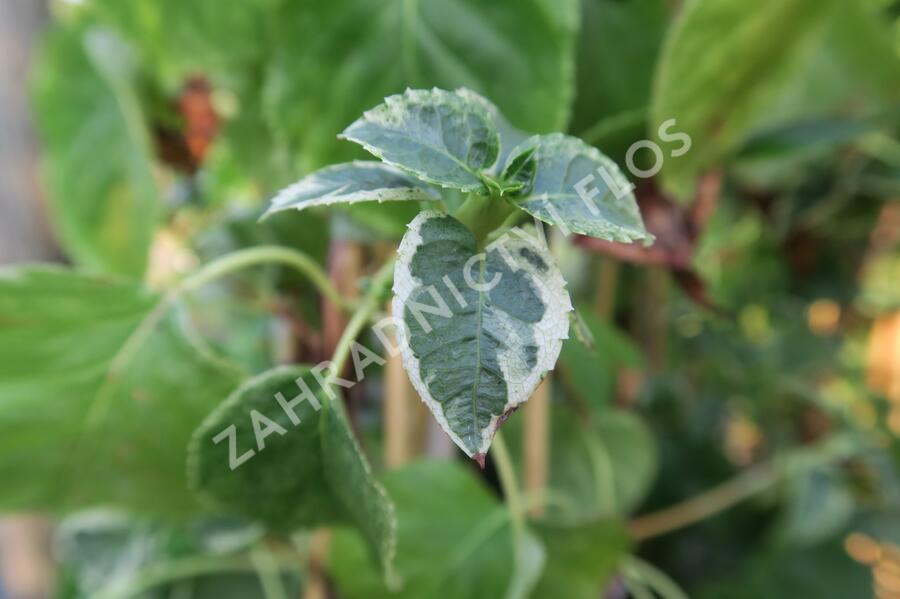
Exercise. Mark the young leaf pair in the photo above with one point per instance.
(483, 325)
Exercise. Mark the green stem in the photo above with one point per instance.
(266, 254)
(652, 577)
(512, 221)
(269, 573)
(510, 486)
(709, 503)
(750, 482)
(184, 569)
(212, 271)
(482, 214)
(508, 480)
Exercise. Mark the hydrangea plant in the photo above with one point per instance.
(482, 306)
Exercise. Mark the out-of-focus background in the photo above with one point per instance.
(733, 431)
(24, 235)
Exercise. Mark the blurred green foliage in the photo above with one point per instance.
(165, 124)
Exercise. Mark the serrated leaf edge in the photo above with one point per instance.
(284, 201)
(388, 549)
(617, 232)
(419, 174)
(548, 352)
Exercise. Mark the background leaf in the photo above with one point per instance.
(500, 50)
(617, 50)
(98, 158)
(601, 464)
(773, 60)
(306, 474)
(582, 557)
(107, 555)
(466, 553)
(85, 364)
(590, 372)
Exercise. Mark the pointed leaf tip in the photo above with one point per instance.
(441, 137)
(476, 349)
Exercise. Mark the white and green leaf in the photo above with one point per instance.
(510, 136)
(499, 326)
(445, 138)
(296, 467)
(574, 186)
(350, 183)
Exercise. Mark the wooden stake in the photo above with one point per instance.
(607, 281)
(536, 443)
(345, 263)
(655, 316)
(400, 414)
(317, 584)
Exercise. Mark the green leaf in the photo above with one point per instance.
(819, 505)
(823, 570)
(454, 541)
(718, 97)
(107, 555)
(582, 557)
(590, 373)
(776, 61)
(600, 465)
(479, 334)
(518, 53)
(100, 389)
(577, 188)
(289, 467)
(441, 137)
(350, 183)
(102, 190)
(631, 450)
(182, 39)
(614, 69)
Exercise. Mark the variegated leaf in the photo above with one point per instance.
(441, 137)
(277, 451)
(510, 137)
(349, 183)
(481, 330)
(572, 185)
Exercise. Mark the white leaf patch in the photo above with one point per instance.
(480, 331)
(350, 183)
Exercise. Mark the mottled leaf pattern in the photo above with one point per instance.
(499, 329)
(510, 137)
(349, 183)
(441, 137)
(574, 186)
